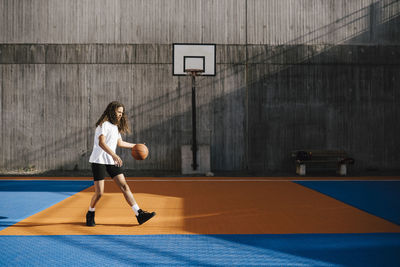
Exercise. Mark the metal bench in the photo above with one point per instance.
(337, 159)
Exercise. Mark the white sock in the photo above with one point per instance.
(135, 208)
(91, 209)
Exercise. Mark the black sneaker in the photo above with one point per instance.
(90, 218)
(144, 216)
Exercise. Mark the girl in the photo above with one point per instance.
(104, 159)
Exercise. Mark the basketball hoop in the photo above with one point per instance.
(193, 60)
(194, 72)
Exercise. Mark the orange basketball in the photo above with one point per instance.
(140, 151)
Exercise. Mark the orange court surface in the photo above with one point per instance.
(205, 206)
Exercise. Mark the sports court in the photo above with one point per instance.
(260, 132)
(270, 221)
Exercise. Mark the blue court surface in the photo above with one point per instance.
(21, 199)
(202, 250)
(381, 198)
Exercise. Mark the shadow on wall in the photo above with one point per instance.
(311, 96)
(340, 98)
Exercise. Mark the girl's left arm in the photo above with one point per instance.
(124, 144)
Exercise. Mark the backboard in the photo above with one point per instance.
(193, 56)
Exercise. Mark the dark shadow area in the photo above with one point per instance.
(342, 97)
(341, 249)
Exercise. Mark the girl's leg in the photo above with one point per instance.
(98, 192)
(141, 215)
(121, 182)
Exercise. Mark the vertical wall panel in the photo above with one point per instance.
(221, 22)
(22, 117)
(122, 21)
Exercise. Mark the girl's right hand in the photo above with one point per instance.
(117, 160)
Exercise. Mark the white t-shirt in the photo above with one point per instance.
(111, 133)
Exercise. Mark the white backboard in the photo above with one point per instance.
(193, 56)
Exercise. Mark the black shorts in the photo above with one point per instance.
(100, 171)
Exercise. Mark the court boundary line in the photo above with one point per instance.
(211, 180)
(246, 180)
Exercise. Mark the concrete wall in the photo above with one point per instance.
(342, 97)
(290, 75)
(215, 21)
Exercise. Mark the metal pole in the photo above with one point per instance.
(194, 141)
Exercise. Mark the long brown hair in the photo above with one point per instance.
(110, 115)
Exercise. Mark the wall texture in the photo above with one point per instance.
(215, 21)
(290, 75)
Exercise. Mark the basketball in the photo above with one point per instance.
(140, 151)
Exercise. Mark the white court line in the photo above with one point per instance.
(217, 180)
(246, 180)
(212, 180)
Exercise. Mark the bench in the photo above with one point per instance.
(337, 159)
